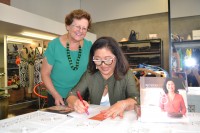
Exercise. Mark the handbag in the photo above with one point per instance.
(132, 36)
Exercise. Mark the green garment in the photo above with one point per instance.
(117, 89)
(62, 76)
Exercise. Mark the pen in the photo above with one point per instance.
(81, 99)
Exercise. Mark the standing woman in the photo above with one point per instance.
(66, 57)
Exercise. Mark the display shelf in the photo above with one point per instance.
(143, 51)
(12, 67)
(187, 44)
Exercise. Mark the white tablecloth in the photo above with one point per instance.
(47, 122)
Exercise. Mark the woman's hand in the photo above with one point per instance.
(59, 100)
(115, 110)
(76, 104)
(79, 107)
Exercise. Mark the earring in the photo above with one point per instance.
(96, 67)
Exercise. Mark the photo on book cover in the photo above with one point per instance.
(163, 99)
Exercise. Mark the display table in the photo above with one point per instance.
(48, 122)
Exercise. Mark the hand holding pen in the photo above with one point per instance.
(81, 99)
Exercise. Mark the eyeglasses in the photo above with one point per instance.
(99, 62)
(78, 27)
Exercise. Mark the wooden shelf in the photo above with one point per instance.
(143, 51)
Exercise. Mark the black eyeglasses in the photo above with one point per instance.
(99, 62)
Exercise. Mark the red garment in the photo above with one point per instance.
(177, 105)
(17, 61)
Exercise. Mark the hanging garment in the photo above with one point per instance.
(189, 53)
(37, 69)
(23, 73)
(23, 67)
(31, 78)
(181, 58)
(31, 57)
(38, 64)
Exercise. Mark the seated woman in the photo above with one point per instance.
(108, 81)
(172, 102)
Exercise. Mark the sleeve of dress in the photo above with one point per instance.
(50, 52)
(81, 86)
(132, 90)
(183, 108)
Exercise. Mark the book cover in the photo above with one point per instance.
(163, 99)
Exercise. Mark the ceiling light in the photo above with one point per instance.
(45, 37)
(19, 39)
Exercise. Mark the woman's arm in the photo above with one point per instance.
(76, 104)
(127, 104)
(132, 92)
(45, 73)
(177, 57)
(183, 108)
(196, 74)
(118, 108)
(72, 99)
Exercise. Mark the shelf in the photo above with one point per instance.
(132, 65)
(141, 53)
(147, 52)
(12, 60)
(187, 44)
(188, 41)
(141, 41)
(13, 68)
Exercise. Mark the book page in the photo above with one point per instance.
(93, 110)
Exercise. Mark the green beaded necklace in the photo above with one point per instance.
(70, 59)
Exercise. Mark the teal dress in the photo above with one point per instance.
(62, 76)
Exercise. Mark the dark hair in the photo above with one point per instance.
(165, 83)
(78, 14)
(122, 65)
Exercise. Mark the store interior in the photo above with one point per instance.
(173, 28)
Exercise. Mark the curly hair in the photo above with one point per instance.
(78, 14)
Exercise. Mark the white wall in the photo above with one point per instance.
(52, 9)
(184, 8)
(104, 10)
(24, 18)
(100, 10)
(17, 16)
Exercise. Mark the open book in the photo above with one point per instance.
(163, 99)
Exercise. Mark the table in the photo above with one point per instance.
(48, 122)
(193, 97)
